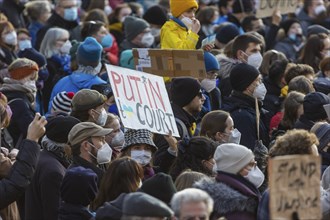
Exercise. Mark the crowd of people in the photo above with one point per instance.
(66, 155)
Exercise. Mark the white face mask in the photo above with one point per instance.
(107, 10)
(98, 68)
(255, 176)
(103, 154)
(319, 9)
(187, 22)
(260, 92)
(65, 49)
(147, 39)
(155, 32)
(101, 120)
(10, 38)
(118, 140)
(208, 84)
(255, 60)
(235, 136)
(23, 44)
(141, 156)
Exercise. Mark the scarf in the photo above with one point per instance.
(12, 85)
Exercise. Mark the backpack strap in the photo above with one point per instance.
(185, 133)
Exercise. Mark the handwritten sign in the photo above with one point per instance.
(142, 100)
(265, 8)
(294, 182)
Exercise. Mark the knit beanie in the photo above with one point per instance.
(89, 52)
(79, 186)
(86, 99)
(240, 6)
(317, 29)
(165, 187)
(156, 15)
(177, 7)
(183, 90)
(134, 26)
(211, 62)
(33, 54)
(288, 23)
(73, 50)
(62, 102)
(59, 127)
(227, 33)
(313, 106)
(22, 68)
(232, 158)
(242, 75)
(323, 134)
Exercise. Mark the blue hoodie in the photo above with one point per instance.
(73, 83)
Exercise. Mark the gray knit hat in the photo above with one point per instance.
(134, 26)
(232, 158)
(140, 136)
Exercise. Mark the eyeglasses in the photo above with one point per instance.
(252, 164)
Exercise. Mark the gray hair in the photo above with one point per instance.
(47, 47)
(37, 8)
(190, 195)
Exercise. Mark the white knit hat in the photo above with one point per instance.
(62, 102)
(232, 158)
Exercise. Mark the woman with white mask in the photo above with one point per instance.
(236, 183)
(140, 147)
(8, 43)
(55, 46)
(219, 126)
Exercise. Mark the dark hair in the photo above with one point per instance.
(241, 42)
(123, 176)
(213, 122)
(191, 155)
(97, 15)
(247, 23)
(269, 58)
(277, 70)
(311, 53)
(90, 28)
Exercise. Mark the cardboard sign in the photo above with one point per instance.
(265, 8)
(294, 183)
(170, 63)
(142, 100)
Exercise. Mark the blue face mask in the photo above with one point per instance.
(71, 14)
(23, 44)
(293, 37)
(106, 41)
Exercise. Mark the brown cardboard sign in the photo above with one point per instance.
(294, 183)
(265, 8)
(170, 63)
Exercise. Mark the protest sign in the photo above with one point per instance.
(170, 63)
(142, 100)
(294, 182)
(265, 8)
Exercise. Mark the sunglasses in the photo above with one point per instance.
(200, 95)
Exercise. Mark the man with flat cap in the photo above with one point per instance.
(88, 146)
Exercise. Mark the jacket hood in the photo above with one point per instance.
(82, 80)
(226, 199)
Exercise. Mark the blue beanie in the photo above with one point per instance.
(211, 63)
(126, 59)
(89, 52)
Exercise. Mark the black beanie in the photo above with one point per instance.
(184, 90)
(227, 33)
(165, 187)
(156, 15)
(59, 127)
(288, 23)
(313, 106)
(242, 75)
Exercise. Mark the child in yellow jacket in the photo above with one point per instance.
(180, 32)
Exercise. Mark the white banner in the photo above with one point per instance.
(142, 100)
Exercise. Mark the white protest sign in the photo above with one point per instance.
(294, 184)
(266, 8)
(142, 100)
